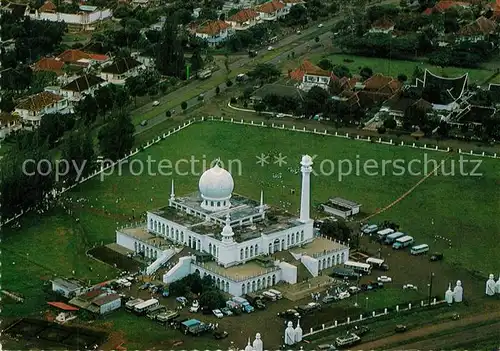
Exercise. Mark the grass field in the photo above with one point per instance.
(396, 67)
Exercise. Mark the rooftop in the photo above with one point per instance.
(142, 234)
(49, 64)
(344, 202)
(243, 16)
(480, 26)
(106, 299)
(121, 66)
(270, 7)
(308, 68)
(318, 246)
(212, 27)
(239, 272)
(67, 284)
(383, 23)
(38, 101)
(83, 83)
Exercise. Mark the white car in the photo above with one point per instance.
(320, 25)
(280, 115)
(270, 48)
(384, 279)
(156, 103)
(194, 307)
(344, 295)
(218, 313)
(409, 286)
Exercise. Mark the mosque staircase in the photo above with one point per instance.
(303, 273)
(164, 257)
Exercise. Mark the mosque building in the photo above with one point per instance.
(232, 238)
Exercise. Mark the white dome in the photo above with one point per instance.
(306, 160)
(216, 184)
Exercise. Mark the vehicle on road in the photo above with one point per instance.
(353, 290)
(156, 103)
(320, 25)
(360, 330)
(280, 115)
(329, 299)
(400, 328)
(419, 249)
(410, 287)
(436, 256)
(381, 234)
(369, 228)
(299, 32)
(343, 295)
(291, 313)
(252, 53)
(218, 313)
(270, 48)
(201, 97)
(220, 334)
(206, 73)
(347, 340)
(391, 238)
(384, 279)
(182, 300)
(327, 347)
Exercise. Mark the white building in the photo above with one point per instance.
(272, 10)
(244, 19)
(34, 107)
(82, 86)
(309, 75)
(241, 235)
(121, 69)
(291, 3)
(8, 123)
(213, 32)
(107, 303)
(341, 207)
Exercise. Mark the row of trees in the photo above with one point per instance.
(201, 289)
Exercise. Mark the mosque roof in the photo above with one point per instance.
(451, 88)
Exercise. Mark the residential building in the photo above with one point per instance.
(17, 10)
(122, 68)
(9, 123)
(244, 19)
(49, 64)
(480, 29)
(382, 25)
(82, 86)
(107, 303)
(341, 207)
(289, 4)
(85, 19)
(34, 107)
(310, 75)
(82, 59)
(271, 11)
(67, 288)
(213, 32)
(444, 5)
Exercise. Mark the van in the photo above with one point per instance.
(419, 249)
(277, 293)
(391, 238)
(269, 296)
(368, 229)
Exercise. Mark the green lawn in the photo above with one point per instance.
(395, 67)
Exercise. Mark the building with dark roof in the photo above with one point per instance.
(341, 208)
(107, 303)
(82, 86)
(17, 10)
(34, 107)
(67, 288)
(120, 69)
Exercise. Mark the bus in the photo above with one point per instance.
(146, 306)
(381, 234)
(402, 242)
(369, 229)
(132, 303)
(377, 263)
(363, 268)
(419, 249)
(391, 238)
(277, 293)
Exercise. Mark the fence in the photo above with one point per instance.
(316, 131)
(374, 314)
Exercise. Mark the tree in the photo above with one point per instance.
(196, 60)
(229, 83)
(402, 78)
(266, 72)
(184, 105)
(315, 100)
(381, 130)
(336, 230)
(217, 90)
(213, 299)
(79, 152)
(117, 137)
(325, 64)
(390, 123)
(443, 129)
(170, 55)
(366, 72)
(168, 114)
(341, 71)
(259, 107)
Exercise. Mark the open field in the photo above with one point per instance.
(396, 67)
(457, 207)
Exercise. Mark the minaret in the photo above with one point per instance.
(305, 197)
(172, 192)
(261, 210)
(227, 231)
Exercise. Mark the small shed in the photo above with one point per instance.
(341, 207)
(67, 288)
(107, 303)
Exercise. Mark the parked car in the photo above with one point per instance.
(344, 295)
(410, 286)
(291, 313)
(220, 334)
(218, 313)
(353, 290)
(298, 32)
(327, 347)
(144, 123)
(227, 311)
(320, 25)
(329, 299)
(384, 279)
(400, 328)
(270, 48)
(436, 256)
(156, 103)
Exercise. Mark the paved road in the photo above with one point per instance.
(295, 41)
(428, 330)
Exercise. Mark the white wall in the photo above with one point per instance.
(110, 306)
(129, 242)
(311, 264)
(288, 272)
(179, 271)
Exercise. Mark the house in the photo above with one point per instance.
(49, 64)
(140, 3)
(444, 5)
(82, 59)
(244, 19)
(67, 288)
(271, 11)
(80, 87)
(85, 19)
(122, 68)
(33, 108)
(213, 32)
(382, 25)
(480, 29)
(17, 10)
(341, 207)
(310, 75)
(107, 303)
(9, 123)
(289, 4)
(382, 84)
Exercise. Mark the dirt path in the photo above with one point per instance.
(424, 331)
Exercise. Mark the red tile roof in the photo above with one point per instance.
(38, 101)
(445, 5)
(212, 27)
(270, 7)
(480, 26)
(243, 16)
(308, 68)
(379, 81)
(347, 83)
(292, 1)
(49, 64)
(48, 6)
(73, 56)
(383, 23)
(63, 306)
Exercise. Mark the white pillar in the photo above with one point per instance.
(305, 198)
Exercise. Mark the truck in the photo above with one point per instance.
(256, 300)
(391, 238)
(377, 263)
(381, 234)
(347, 340)
(206, 73)
(245, 305)
(402, 242)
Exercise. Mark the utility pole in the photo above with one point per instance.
(430, 288)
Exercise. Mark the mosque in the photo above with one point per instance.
(232, 238)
